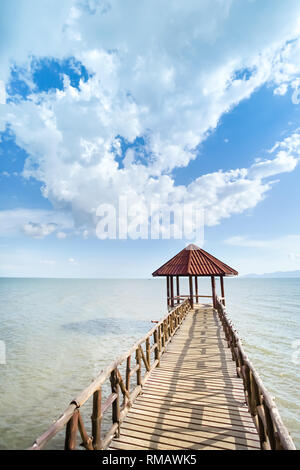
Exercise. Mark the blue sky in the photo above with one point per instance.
(194, 105)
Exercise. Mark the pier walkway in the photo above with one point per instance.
(194, 399)
(187, 384)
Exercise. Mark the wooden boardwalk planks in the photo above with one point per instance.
(194, 399)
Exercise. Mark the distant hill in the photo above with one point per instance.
(277, 274)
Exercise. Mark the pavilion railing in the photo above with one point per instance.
(176, 299)
(147, 353)
(272, 433)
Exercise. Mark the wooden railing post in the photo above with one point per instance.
(71, 432)
(87, 441)
(148, 355)
(116, 404)
(139, 364)
(145, 361)
(157, 341)
(96, 420)
(270, 427)
(128, 370)
(162, 336)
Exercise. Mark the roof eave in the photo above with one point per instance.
(198, 275)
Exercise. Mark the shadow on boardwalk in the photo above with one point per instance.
(194, 400)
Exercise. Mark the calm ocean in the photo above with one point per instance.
(60, 333)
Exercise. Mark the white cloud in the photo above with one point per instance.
(246, 242)
(232, 192)
(31, 27)
(38, 230)
(48, 262)
(34, 222)
(284, 162)
(287, 243)
(61, 235)
(281, 89)
(168, 75)
(266, 255)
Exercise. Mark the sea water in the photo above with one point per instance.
(58, 334)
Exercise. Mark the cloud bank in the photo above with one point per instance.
(158, 83)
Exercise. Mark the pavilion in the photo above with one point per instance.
(193, 262)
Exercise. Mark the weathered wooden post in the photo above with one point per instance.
(213, 288)
(116, 404)
(71, 432)
(177, 290)
(222, 289)
(157, 341)
(191, 291)
(128, 370)
(172, 291)
(148, 352)
(196, 289)
(96, 420)
(139, 364)
(168, 292)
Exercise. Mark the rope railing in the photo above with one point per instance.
(147, 353)
(272, 433)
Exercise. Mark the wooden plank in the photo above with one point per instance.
(192, 435)
(198, 376)
(169, 440)
(200, 410)
(206, 420)
(185, 387)
(194, 428)
(213, 397)
(198, 381)
(196, 406)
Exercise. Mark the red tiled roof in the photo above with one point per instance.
(194, 261)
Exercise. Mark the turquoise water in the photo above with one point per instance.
(60, 333)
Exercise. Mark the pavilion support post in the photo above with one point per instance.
(177, 290)
(191, 291)
(172, 291)
(213, 288)
(222, 289)
(196, 289)
(168, 292)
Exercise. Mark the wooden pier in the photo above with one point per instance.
(194, 388)
(194, 400)
(187, 384)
